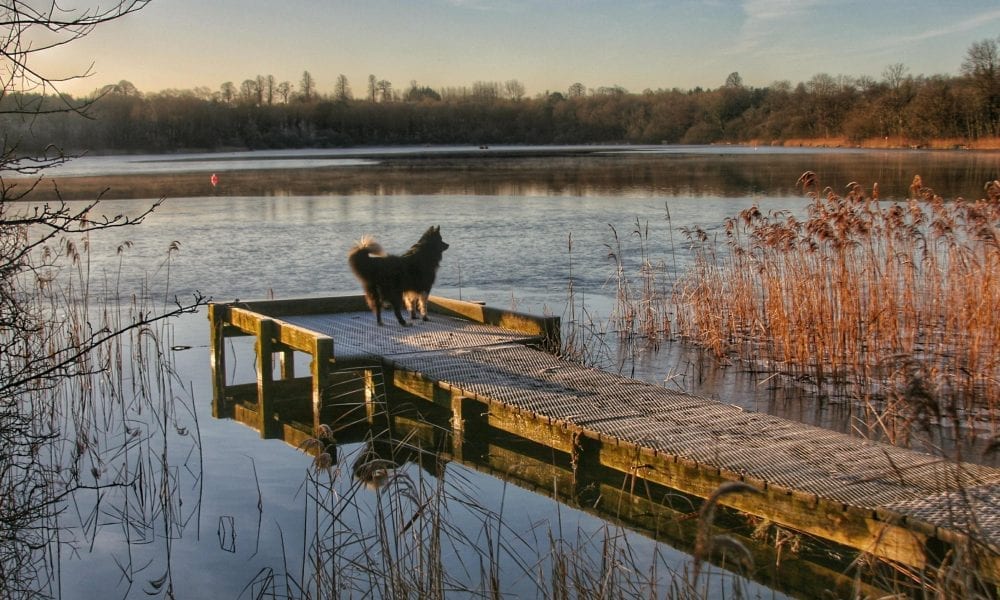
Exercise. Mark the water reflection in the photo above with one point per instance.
(381, 451)
(689, 172)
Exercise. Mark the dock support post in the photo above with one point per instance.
(265, 378)
(586, 460)
(217, 317)
(469, 421)
(376, 400)
(322, 354)
(371, 395)
(287, 364)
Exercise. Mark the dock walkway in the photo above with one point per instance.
(493, 366)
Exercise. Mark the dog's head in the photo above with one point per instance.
(432, 240)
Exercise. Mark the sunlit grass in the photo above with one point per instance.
(892, 302)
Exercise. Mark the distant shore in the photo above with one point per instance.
(738, 171)
(887, 143)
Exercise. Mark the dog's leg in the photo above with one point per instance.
(395, 298)
(374, 298)
(396, 308)
(411, 304)
(423, 306)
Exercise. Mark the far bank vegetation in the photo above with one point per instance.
(897, 110)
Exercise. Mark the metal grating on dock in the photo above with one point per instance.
(781, 452)
(357, 336)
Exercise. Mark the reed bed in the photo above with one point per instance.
(893, 303)
(93, 418)
(641, 303)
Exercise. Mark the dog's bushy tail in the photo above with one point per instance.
(361, 254)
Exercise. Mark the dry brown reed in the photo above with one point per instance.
(641, 307)
(893, 301)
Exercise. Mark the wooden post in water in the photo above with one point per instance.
(469, 426)
(265, 377)
(322, 354)
(377, 383)
(217, 317)
(586, 461)
(287, 363)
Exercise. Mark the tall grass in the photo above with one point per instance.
(891, 302)
(641, 310)
(93, 417)
(641, 304)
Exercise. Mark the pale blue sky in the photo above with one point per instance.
(546, 44)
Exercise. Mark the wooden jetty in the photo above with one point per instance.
(496, 368)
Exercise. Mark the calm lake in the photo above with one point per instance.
(246, 514)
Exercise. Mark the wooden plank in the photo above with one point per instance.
(542, 430)
(241, 392)
(416, 384)
(306, 306)
(296, 337)
(546, 328)
(549, 432)
(804, 512)
(291, 390)
(245, 320)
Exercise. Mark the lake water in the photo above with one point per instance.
(522, 223)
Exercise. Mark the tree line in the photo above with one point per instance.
(264, 113)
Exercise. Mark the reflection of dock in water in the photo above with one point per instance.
(488, 368)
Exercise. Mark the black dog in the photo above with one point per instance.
(395, 279)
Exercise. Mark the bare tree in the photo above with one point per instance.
(249, 92)
(307, 87)
(342, 89)
(270, 85)
(122, 88)
(485, 91)
(513, 89)
(982, 67)
(261, 89)
(384, 87)
(227, 91)
(894, 75)
(30, 28)
(372, 88)
(285, 91)
(577, 90)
